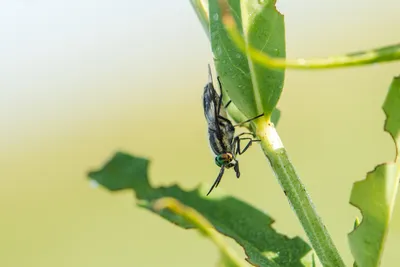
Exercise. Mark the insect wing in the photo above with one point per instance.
(210, 105)
(220, 129)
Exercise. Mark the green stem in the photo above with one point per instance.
(378, 55)
(297, 195)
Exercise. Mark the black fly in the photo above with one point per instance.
(221, 132)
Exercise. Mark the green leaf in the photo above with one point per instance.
(375, 196)
(253, 88)
(202, 15)
(230, 216)
(392, 111)
(275, 116)
(236, 115)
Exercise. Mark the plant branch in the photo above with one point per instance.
(383, 54)
(297, 194)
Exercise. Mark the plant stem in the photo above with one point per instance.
(297, 194)
(377, 55)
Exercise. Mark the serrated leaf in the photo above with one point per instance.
(253, 88)
(392, 111)
(375, 196)
(251, 228)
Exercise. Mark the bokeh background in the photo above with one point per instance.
(80, 80)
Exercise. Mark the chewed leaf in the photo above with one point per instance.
(253, 88)
(392, 111)
(375, 196)
(249, 227)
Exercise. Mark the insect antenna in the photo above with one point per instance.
(216, 183)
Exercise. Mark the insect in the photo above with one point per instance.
(221, 132)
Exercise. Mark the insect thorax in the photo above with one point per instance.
(221, 141)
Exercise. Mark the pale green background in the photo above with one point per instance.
(82, 79)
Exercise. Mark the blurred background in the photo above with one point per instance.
(80, 80)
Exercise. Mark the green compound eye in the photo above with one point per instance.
(224, 160)
(219, 161)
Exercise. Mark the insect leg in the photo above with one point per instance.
(224, 119)
(249, 120)
(220, 96)
(247, 146)
(236, 168)
(220, 87)
(252, 134)
(235, 145)
(218, 180)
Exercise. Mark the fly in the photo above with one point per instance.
(221, 132)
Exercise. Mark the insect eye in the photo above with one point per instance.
(219, 160)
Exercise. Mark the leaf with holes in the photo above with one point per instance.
(375, 195)
(251, 228)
